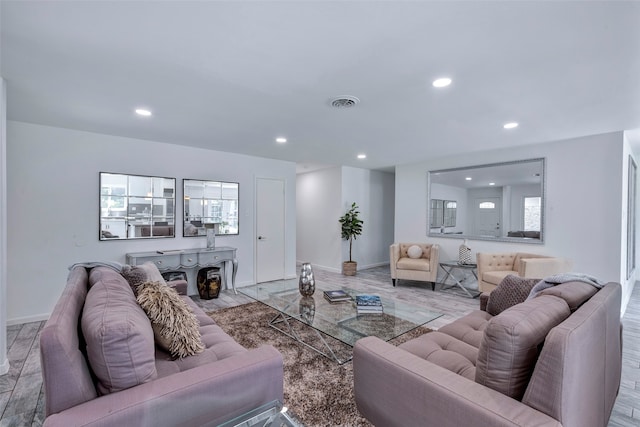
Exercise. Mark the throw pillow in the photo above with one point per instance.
(414, 251)
(137, 274)
(118, 334)
(512, 290)
(510, 345)
(176, 328)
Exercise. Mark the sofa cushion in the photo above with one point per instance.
(118, 334)
(468, 329)
(510, 345)
(174, 324)
(218, 345)
(512, 290)
(574, 293)
(414, 252)
(419, 264)
(444, 351)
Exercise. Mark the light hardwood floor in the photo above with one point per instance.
(21, 398)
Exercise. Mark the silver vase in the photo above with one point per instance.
(307, 283)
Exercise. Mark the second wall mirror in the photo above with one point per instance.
(210, 202)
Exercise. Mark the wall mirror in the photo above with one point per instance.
(499, 201)
(136, 206)
(210, 202)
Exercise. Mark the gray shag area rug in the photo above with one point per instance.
(318, 391)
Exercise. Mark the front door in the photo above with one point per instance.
(488, 215)
(269, 229)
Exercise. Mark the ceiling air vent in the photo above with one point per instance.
(344, 102)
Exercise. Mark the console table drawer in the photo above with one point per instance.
(188, 260)
(166, 261)
(205, 258)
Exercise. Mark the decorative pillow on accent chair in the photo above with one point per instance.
(512, 290)
(175, 327)
(414, 252)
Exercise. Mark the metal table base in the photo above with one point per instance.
(448, 267)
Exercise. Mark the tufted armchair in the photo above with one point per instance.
(492, 268)
(422, 266)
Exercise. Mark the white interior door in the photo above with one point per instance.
(269, 229)
(488, 214)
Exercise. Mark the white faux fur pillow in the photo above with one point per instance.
(175, 327)
(414, 251)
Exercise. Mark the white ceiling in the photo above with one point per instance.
(234, 75)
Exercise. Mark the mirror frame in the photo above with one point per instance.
(199, 225)
(462, 235)
(127, 221)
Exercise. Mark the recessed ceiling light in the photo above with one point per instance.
(143, 112)
(281, 140)
(510, 125)
(362, 156)
(492, 183)
(442, 82)
(468, 178)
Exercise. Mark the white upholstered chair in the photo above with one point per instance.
(493, 267)
(414, 261)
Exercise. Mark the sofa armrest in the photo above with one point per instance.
(539, 268)
(179, 285)
(206, 395)
(396, 388)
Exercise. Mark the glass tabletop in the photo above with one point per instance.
(340, 320)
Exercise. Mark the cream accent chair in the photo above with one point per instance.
(423, 269)
(492, 268)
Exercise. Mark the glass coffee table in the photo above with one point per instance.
(272, 414)
(322, 325)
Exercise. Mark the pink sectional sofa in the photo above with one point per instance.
(552, 360)
(139, 384)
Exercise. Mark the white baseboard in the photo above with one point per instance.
(28, 319)
(4, 368)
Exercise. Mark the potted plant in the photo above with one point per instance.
(351, 228)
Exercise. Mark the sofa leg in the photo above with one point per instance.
(433, 286)
(393, 281)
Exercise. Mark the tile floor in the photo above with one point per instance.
(21, 397)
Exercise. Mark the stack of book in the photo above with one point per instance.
(336, 296)
(369, 304)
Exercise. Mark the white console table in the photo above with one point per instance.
(189, 261)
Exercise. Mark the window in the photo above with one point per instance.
(487, 205)
(532, 213)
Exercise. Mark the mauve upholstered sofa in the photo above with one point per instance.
(214, 386)
(552, 360)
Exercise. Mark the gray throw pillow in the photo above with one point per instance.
(137, 274)
(512, 290)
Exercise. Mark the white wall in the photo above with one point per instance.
(318, 206)
(4, 361)
(582, 213)
(627, 151)
(53, 205)
(324, 196)
(373, 192)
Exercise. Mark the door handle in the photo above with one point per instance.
(262, 238)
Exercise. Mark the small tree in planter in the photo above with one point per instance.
(351, 228)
